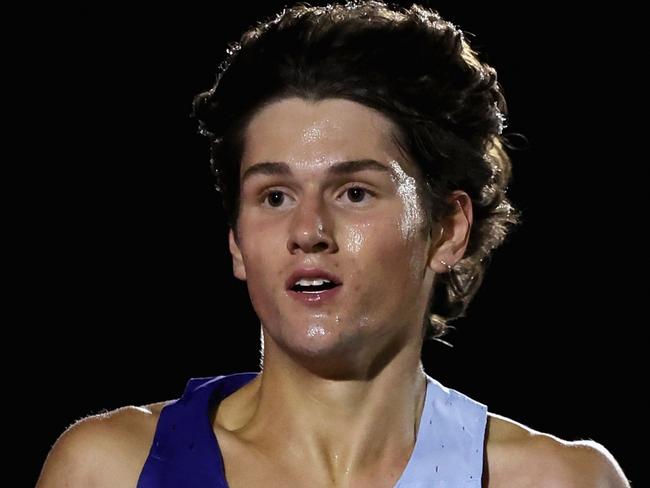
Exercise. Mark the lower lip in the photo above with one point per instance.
(315, 299)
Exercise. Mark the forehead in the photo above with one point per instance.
(301, 132)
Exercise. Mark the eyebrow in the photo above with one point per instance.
(338, 169)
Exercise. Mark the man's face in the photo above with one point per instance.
(363, 227)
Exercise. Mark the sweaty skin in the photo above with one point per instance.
(342, 385)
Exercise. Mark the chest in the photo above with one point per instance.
(246, 468)
(248, 475)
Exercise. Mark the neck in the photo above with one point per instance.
(343, 429)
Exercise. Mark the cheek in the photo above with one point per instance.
(383, 251)
(263, 274)
(264, 288)
(356, 236)
(403, 263)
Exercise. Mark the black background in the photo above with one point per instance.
(128, 288)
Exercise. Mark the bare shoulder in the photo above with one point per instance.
(517, 455)
(107, 449)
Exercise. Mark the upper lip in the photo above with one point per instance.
(311, 273)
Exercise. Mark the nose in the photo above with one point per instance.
(311, 228)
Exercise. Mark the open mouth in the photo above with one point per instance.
(315, 294)
(315, 286)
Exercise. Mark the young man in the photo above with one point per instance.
(345, 236)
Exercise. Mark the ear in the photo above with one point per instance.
(238, 267)
(450, 242)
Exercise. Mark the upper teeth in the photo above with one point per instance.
(316, 282)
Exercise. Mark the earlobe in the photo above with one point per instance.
(238, 267)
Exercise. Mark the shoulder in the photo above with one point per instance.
(107, 449)
(517, 455)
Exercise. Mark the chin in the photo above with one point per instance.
(315, 340)
(321, 341)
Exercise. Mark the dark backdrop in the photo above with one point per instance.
(130, 282)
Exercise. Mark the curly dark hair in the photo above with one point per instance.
(414, 67)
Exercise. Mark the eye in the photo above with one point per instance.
(275, 198)
(356, 194)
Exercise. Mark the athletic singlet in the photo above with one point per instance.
(448, 450)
